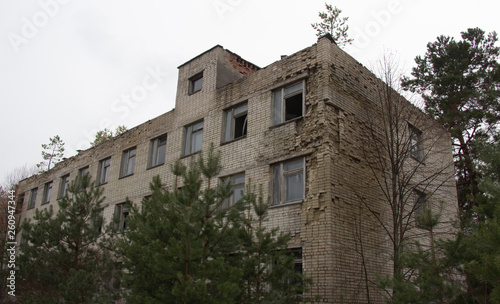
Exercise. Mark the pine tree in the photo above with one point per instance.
(459, 82)
(182, 246)
(480, 247)
(429, 273)
(64, 257)
(269, 274)
(179, 246)
(331, 23)
(52, 153)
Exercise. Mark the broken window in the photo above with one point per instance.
(103, 172)
(194, 138)
(158, 149)
(288, 102)
(31, 205)
(196, 83)
(238, 186)
(121, 214)
(63, 185)
(128, 162)
(235, 122)
(288, 181)
(47, 190)
(416, 148)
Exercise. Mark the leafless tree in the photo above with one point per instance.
(407, 155)
(17, 174)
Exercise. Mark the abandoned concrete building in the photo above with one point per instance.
(303, 128)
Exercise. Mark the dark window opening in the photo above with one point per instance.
(236, 122)
(240, 126)
(293, 107)
(288, 102)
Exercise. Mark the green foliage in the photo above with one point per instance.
(481, 246)
(429, 274)
(268, 266)
(460, 84)
(331, 23)
(182, 247)
(64, 257)
(103, 135)
(53, 152)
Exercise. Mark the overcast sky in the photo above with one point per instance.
(66, 67)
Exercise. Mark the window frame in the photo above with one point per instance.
(229, 127)
(98, 217)
(229, 202)
(63, 185)
(421, 201)
(103, 169)
(20, 203)
(47, 191)
(126, 162)
(279, 178)
(416, 147)
(193, 83)
(188, 137)
(154, 147)
(120, 215)
(33, 195)
(81, 173)
(279, 111)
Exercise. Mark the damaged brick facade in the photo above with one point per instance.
(302, 137)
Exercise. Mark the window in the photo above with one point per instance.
(103, 171)
(297, 253)
(32, 202)
(128, 162)
(416, 149)
(47, 190)
(294, 280)
(288, 181)
(20, 203)
(195, 83)
(235, 121)
(158, 149)
(63, 185)
(194, 138)
(81, 174)
(238, 186)
(288, 102)
(121, 213)
(98, 220)
(420, 200)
